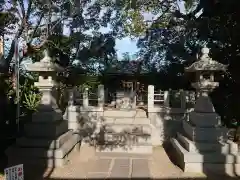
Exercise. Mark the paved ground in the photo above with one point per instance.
(86, 164)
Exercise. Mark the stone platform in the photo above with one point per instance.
(226, 163)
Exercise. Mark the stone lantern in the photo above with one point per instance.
(48, 139)
(203, 145)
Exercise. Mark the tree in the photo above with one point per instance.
(42, 22)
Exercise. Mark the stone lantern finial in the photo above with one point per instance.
(46, 58)
(205, 51)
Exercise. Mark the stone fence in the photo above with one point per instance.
(179, 100)
(88, 97)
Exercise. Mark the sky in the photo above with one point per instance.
(127, 45)
(123, 45)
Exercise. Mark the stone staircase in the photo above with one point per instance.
(125, 131)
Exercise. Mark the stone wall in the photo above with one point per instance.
(84, 121)
(167, 122)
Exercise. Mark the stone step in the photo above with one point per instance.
(119, 128)
(44, 143)
(127, 138)
(213, 157)
(140, 149)
(131, 121)
(194, 147)
(36, 152)
(120, 113)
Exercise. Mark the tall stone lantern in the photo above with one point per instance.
(47, 139)
(203, 145)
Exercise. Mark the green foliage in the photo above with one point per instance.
(31, 101)
(29, 95)
(88, 81)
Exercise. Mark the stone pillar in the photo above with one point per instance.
(85, 98)
(70, 96)
(150, 97)
(183, 99)
(166, 98)
(71, 113)
(101, 98)
(134, 103)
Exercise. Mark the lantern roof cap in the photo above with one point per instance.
(205, 63)
(45, 64)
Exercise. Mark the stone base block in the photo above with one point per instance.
(43, 162)
(196, 147)
(202, 163)
(47, 116)
(130, 150)
(224, 169)
(46, 130)
(210, 134)
(204, 119)
(44, 143)
(35, 155)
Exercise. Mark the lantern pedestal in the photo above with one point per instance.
(203, 146)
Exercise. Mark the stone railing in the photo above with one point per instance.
(174, 99)
(161, 98)
(88, 98)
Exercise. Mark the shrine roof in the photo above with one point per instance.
(128, 68)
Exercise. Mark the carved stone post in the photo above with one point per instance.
(101, 98)
(166, 98)
(183, 99)
(85, 98)
(70, 96)
(150, 97)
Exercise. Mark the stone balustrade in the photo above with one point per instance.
(174, 99)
